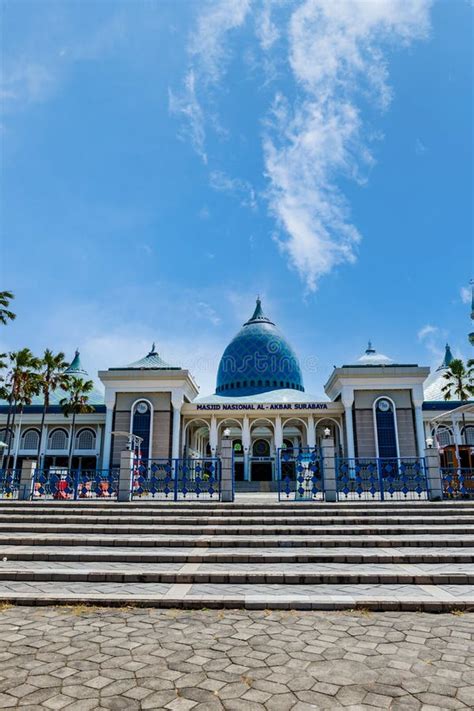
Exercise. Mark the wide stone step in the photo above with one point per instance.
(430, 555)
(430, 598)
(231, 530)
(112, 508)
(247, 574)
(264, 541)
(282, 520)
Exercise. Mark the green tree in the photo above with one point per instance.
(77, 403)
(5, 314)
(459, 380)
(52, 377)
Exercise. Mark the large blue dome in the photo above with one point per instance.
(257, 360)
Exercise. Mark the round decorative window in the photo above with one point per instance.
(261, 448)
(383, 405)
(142, 407)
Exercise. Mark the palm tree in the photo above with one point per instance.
(78, 391)
(5, 314)
(459, 380)
(52, 377)
(29, 385)
(18, 383)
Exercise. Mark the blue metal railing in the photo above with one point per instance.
(300, 474)
(9, 483)
(65, 484)
(175, 479)
(378, 478)
(458, 482)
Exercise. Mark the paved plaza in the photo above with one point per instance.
(80, 658)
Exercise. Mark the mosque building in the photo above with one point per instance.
(373, 408)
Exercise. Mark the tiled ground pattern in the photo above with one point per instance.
(98, 658)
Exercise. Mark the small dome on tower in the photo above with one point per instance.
(371, 357)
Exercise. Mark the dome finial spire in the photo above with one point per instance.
(258, 315)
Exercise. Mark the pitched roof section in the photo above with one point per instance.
(152, 361)
(448, 357)
(434, 385)
(75, 368)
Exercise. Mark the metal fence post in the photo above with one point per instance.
(175, 470)
(329, 469)
(27, 474)
(125, 476)
(434, 479)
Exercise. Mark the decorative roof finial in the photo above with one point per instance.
(153, 350)
(448, 357)
(369, 348)
(258, 315)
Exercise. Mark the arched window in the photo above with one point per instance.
(288, 445)
(386, 428)
(58, 439)
(443, 436)
(85, 439)
(30, 439)
(468, 435)
(141, 425)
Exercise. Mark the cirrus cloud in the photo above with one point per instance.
(316, 132)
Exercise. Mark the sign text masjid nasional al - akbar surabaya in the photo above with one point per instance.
(265, 406)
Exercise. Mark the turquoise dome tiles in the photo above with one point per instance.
(259, 359)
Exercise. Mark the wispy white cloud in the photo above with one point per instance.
(234, 186)
(33, 72)
(208, 47)
(420, 148)
(187, 106)
(426, 331)
(466, 294)
(207, 312)
(337, 58)
(208, 56)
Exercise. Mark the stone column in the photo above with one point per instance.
(43, 446)
(109, 418)
(433, 474)
(25, 489)
(329, 468)
(213, 435)
(176, 402)
(227, 488)
(348, 400)
(418, 398)
(311, 432)
(125, 476)
(246, 442)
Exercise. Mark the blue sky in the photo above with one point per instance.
(163, 163)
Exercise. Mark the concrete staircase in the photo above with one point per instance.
(254, 553)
